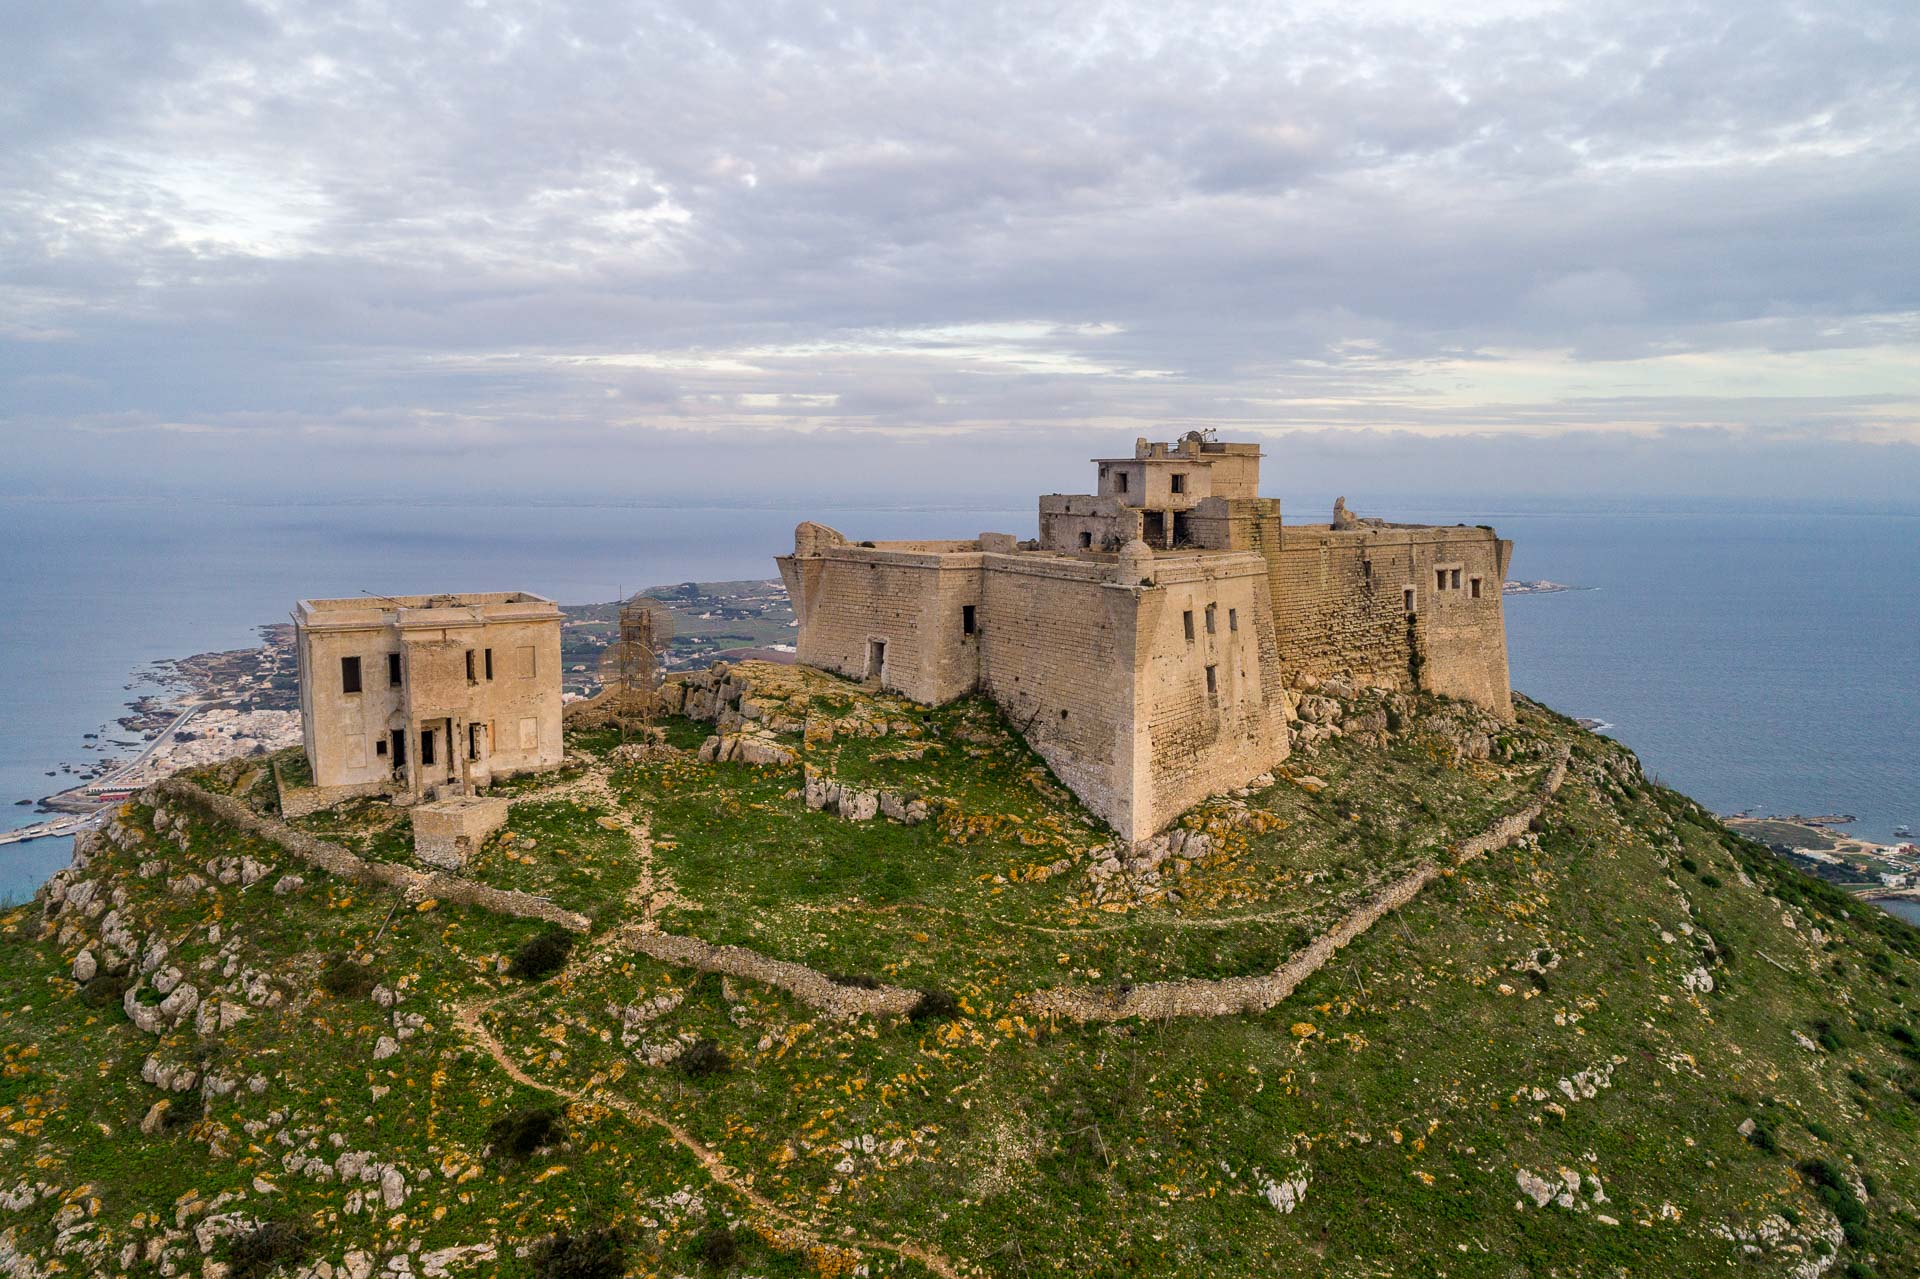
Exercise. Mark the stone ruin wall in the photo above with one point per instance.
(1058, 654)
(911, 600)
(1196, 745)
(1332, 619)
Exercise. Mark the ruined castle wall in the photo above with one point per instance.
(1196, 740)
(1341, 607)
(1058, 651)
(1064, 518)
(911, 602)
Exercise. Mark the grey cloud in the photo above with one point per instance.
(403, 221)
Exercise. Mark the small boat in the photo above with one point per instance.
(1903, 831)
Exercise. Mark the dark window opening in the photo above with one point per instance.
(1086, 541)
(399, 751)
(1186, 621)
(1120, 482)
(1153, 528)
(1233, 619)
(489, 664)
(470, 678)
(380, 747)
(1182, 530)
(473, 741)
(966, 619)
(1366, 573)
(1213, 685)
(876, 658)
(1453, 579)
(1406, 598)
(349, 674)
(426, 746)
(1475, 583)
(1439, 579)
(1178, 482)
(1063, 714)
(393, 670)
(1210, 629)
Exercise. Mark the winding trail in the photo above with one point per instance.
(471, 1020)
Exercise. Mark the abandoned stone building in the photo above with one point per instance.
(1145, 641)
(419, 696)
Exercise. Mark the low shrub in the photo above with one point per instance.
(107, 990)
(259, 1252)
(934, 1005)
(717, 1249)
(701, 1058)
(347, 978)
(592, 1254)
(518, 1136)
(539, 958)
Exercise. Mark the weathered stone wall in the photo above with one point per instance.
(911, 601)
(485, 726)
(1340, 608)
(1058, 641)
(1198, 742)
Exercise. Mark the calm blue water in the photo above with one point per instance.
(1751, 658)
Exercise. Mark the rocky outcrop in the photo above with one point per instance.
(748, 745)
(855, 804)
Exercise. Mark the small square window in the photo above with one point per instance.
(1179, 483)
(1086, 541)
(380, 746)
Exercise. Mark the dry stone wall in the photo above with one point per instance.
(336, 860)
(1239, 995)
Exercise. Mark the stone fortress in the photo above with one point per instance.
(1147, 642)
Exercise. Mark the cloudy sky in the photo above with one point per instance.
(645, 247)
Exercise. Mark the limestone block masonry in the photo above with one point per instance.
(420, 696)
(448, 831)
(1145, 643)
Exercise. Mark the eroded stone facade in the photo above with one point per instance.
(424, 695)
(1144, 642)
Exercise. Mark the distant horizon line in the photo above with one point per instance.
(1487, 503)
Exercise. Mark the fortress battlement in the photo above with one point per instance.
(1145, 642)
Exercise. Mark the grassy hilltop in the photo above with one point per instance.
(1627, 1042)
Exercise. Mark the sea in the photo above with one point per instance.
(1757, 658)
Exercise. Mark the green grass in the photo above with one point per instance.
(1408, 1082)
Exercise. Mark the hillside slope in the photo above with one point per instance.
(1621, 1040)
